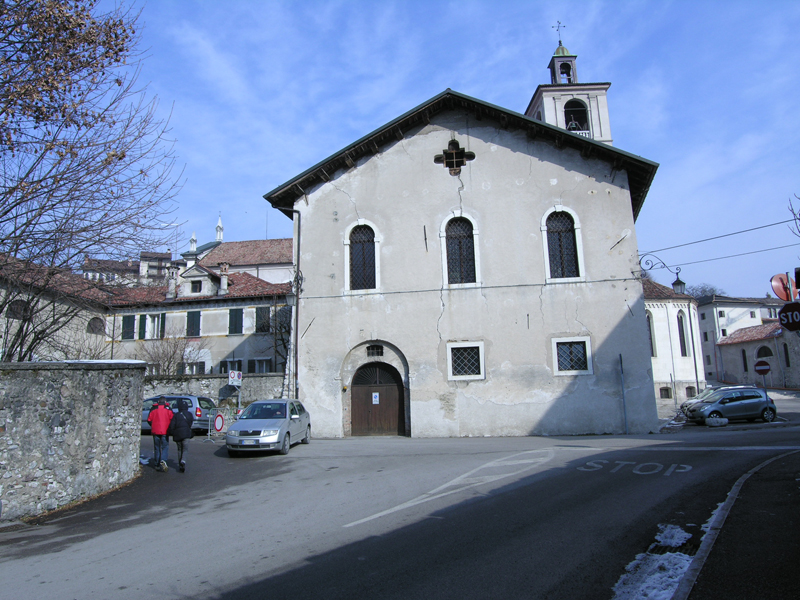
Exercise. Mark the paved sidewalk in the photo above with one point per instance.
(757, 552)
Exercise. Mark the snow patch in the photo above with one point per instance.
(672, 536)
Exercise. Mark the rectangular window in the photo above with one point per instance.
(226, 366)
(465, 361)
(194, 368)
(259, 365)
(142, 327)
(197, 287)
(708, 360)
(262, 319)
(163, 330)
(705, 336)
(193, 323)
(752, 314)
(724, 332)
(572, 356)
(702, 316)
(128, 326)
(721, 313)
(665, 392)
(235, 321)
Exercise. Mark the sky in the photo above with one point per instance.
(256, 92)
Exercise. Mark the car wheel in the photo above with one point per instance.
(233, 453)
(285, 445)
(715, 415)
(768, 415)
(307, 439)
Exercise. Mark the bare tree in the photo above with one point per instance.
(704, 289)
(170, 355)
(85, 165)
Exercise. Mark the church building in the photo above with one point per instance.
(468, 270)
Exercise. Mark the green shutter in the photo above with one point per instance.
(142, 327)
(128, 326)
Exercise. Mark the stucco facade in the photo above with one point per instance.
(516, 318)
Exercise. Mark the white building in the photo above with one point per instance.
(675, 345)
(471, 271)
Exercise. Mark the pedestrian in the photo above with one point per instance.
(159, 419)
(180, 428)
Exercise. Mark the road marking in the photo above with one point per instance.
(639, 469)
(518, 463)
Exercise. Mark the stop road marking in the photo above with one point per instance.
(639, 468)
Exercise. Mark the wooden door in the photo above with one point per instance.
(377, 401)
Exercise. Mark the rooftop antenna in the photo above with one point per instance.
(558, 28)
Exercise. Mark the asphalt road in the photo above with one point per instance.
(389, 518)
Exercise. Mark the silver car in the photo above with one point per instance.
(269, 425)
(202, 410)
(749, 403)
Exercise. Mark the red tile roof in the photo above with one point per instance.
(252, 252)
(753, 334)
(656, 291)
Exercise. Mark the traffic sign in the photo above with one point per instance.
(781, 285)
(789, 316)
(762, 367)
(235, 378)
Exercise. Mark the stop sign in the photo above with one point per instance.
(761, 367)
(789, 316)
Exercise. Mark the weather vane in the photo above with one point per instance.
(558, 28)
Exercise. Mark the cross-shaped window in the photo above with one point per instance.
(454, 157)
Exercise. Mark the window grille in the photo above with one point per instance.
(362, 258)
(466, 360)
(691, 392)
(572, 356)
(561, 245)
(666, 392)
(375, 350)
(96, 326)
(460, 251)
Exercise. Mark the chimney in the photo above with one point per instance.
(223, 276)
(193, 243)
(171, 283)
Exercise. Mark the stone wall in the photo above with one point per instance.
(68, 430)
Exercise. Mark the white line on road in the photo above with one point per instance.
(524, 460)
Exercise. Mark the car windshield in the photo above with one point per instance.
(266, 410)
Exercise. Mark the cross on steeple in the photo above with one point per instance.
(558, 28)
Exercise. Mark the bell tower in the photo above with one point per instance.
(580, 108)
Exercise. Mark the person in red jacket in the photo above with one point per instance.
(159, 419)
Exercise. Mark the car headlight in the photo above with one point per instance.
(233, 433)
(268, 432)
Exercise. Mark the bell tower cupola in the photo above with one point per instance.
(580, 108)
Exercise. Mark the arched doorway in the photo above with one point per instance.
(376, 396)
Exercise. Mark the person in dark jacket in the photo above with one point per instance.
(159, 418)
(180, 428)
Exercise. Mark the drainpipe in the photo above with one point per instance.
(296, 285)
(778, 360)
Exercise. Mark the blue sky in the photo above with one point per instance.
(257, 92)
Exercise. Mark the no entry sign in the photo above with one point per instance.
(761, 367)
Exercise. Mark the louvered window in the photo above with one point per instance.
(362, 258)
(460, 251)
(561, 245)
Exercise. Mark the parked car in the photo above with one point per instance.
(749, 403)
(269, 425)
(705, 394)
(202, 409)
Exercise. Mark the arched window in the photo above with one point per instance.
(764, 352)
(650, 334)
(362, 258)
(96, 326)
(682, 334)
(460, 251)
(19, 310)
(744, 360)
(576, 118)
(562, 246)
(786, 355)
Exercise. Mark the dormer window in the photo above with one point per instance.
(197, 287)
